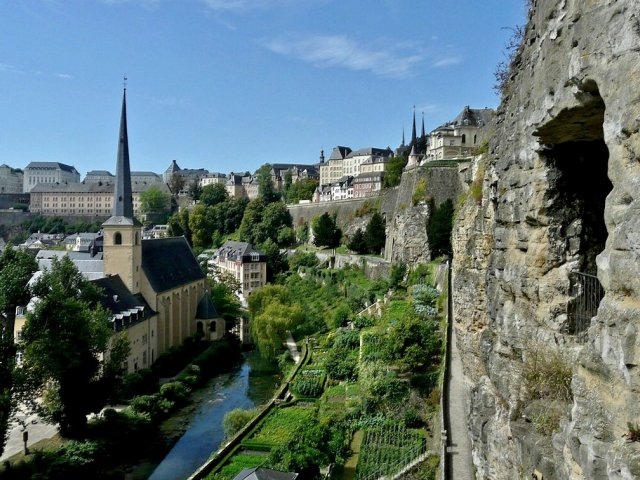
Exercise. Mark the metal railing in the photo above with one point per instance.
(586, 294)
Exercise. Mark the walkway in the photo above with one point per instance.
(37, 431)
(459, 450)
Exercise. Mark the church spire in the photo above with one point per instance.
(413, 130)
(422, 135)
(122, 196)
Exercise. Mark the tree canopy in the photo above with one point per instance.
(393, 175)
(16, 268)
(325, 231)
(154, 200)
(65, 342)
(214, 194)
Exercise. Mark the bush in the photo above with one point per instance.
(141, 382)
(236, 419)
(156, 407)
(176, 392)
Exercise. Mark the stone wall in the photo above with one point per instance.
(560, 194)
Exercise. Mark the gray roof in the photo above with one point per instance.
(206, 309)
(339, 153)
(173, 167)
(477, 117)
(127, 309)
(90, 267)
(61, 166)
(169, 263)
(260, 473)
(242, 251)
(381, 152)
(101, 173)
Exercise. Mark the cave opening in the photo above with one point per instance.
(577, 158)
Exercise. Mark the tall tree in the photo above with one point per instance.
(214, 194)
(16, 268)
(154, 200)
(65, 342)
(325, 231)
(374, 234)
(439, 229)
(266, 189)
(394, 171)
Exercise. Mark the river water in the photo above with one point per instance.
(239, 389)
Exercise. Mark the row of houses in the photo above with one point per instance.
(56, 188)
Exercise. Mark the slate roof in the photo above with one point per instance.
(61, 166)
(239, 251)
(169, 263)
(380, 152)
(206, 309)
(127, 309)
(339, 153)
(260, 473)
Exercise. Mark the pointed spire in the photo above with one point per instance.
(402, 144)
(422, 135)
(122, 197)
(413, 129)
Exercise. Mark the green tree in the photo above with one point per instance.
(374, 234)
(439, 230)
(201, 225)
(303, 189)
(195, 189)
(357, 242)
(65, 340)
(325, 231)
(266, 189)
(179, 225)
(154, 200)
(273, 313)
(394, 171)
(16, 268)
(214, 194)
(236, 419)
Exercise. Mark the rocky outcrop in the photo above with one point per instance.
(557, 197)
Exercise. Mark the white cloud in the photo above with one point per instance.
(447, 61)
(324, 51)
(6, 68)
(63, 76)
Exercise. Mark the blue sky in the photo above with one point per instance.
(229, 85)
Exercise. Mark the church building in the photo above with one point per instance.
(163, 272)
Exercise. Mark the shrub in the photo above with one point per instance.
(141, 382)
(154, 406)
(176, 392)
(236, 419)
(546, 374)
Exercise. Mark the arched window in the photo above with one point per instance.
(212, 326)
(464, 139)
(117, 238)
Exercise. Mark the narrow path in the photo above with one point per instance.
(459, 450)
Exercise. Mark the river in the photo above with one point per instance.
(239, 389)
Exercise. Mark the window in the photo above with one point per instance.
(464, 139)
(117, 238)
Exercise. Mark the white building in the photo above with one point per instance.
(246, 264)
(461, 137)
(50, 173)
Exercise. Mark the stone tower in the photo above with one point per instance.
(123, 232)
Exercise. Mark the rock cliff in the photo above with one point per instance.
(546, 254)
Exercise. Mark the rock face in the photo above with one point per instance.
(554, 359)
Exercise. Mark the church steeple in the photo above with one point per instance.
(122, 231)
(422, 135)
(413, 129)
(122, 196)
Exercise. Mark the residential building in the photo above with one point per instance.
(48, 173)
(246, 264)
(462, 136)
(11, 179)
(80, 242)
(332, 169)
(353, 161)
(213, 179)
(342, 189)
(367, 184)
